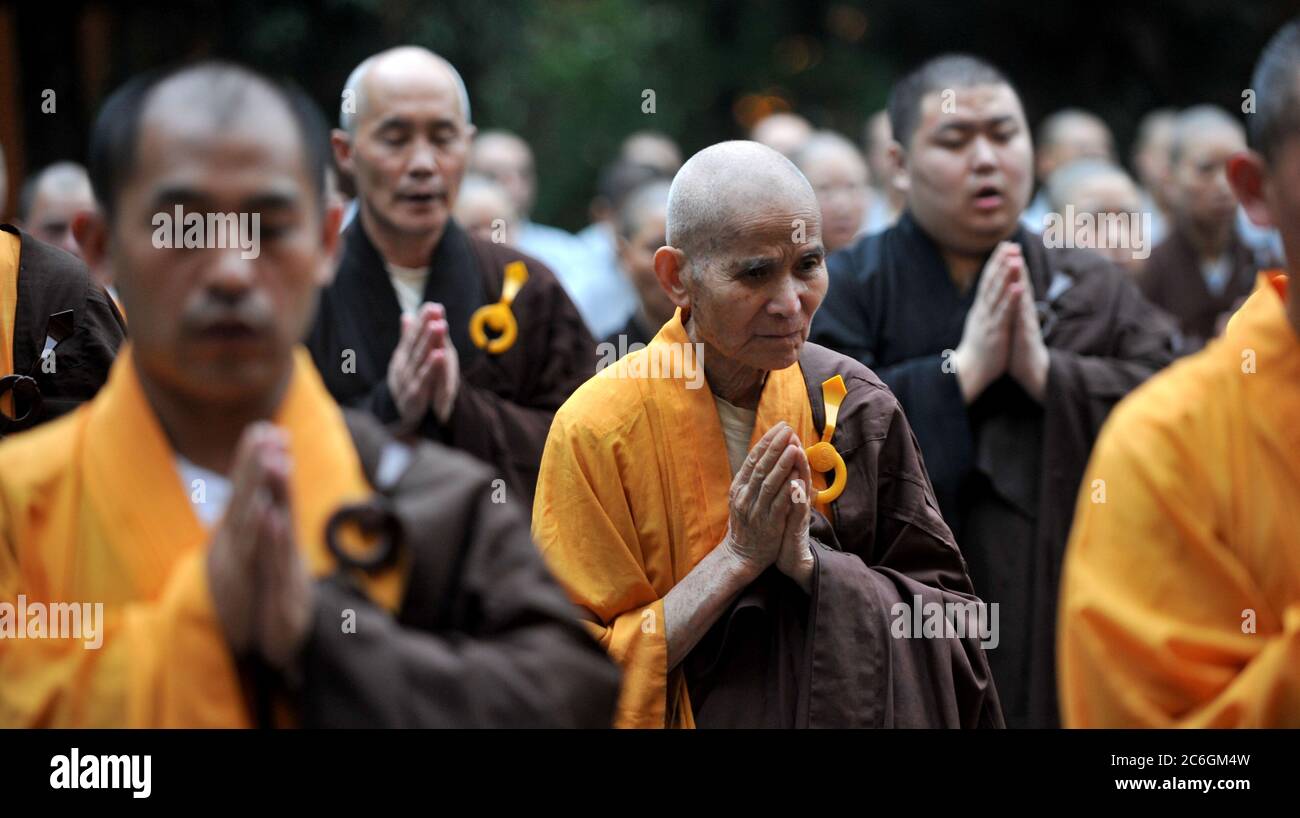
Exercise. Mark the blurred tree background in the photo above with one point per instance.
(569, 75)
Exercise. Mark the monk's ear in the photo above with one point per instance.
(331, 242)
(1248, 176)
(898, 160)
(670, 269)
(91, 232)
(341, 142)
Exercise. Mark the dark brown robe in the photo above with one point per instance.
(1006, 469)
(484, 637)
(58, 300)
(504, 407)
(1172, 280)
(777, 658)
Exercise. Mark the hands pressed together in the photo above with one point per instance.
(424, 372)
(1002, 335)
(259, 584)
(770, 507)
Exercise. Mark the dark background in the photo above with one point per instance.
(569, 74)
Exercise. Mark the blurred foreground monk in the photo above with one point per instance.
(676, 511)
(1180, 599)
(186, 505)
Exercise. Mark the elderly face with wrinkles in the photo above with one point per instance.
(746, 245)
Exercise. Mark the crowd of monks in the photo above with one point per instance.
(793, 435)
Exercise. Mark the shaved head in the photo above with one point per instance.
(1203, 121)
(784, 132)
(722, 185)
(744, 261)
(396, 62)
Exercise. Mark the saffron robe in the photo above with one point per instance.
(1180, 599)
(469, 630)
(1006, 468)
(633, 493)
(505, 403)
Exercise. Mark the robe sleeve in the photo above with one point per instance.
(1082, 389)
(584, 526)
(863, 671)
(160, 664)
(515, 657)
(1155, 604)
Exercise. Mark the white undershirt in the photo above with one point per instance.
(737, 429)
(408, 283)
(209, 492)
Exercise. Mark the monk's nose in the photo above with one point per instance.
(785, 301)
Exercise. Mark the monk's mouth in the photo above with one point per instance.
(422, 199)
(988, 198)
(230, 332)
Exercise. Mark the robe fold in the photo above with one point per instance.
(633, 494)
(1180, 600)
(1006, 469)
(505, 402)
(92, 510)
(1173, 281)
(55, 305)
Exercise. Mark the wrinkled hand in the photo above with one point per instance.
(795, 559)
(760, 501)
(410, 370)
(1029, 360)
(982, 355)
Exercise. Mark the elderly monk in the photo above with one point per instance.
(684, 521)
(1202, 271)
(1180, 602)
(838, 174)
(51, 201)
(189, 500)
(1064, 137)
(485, 211)
(59, 327)
(1005, 354)
(1102, 197)
(394, 334)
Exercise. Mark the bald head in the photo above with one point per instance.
(1203, 123)
(1093, 186)
(783, 132)
(1072, 134)
(51, 200)
(727, 184)
(506, 158)
(393, 68)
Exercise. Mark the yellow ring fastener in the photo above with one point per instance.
(498, 317)
(822, 456)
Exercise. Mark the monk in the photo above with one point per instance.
(679, 509)
(1005, 354)
(838, 173)
(51, 201)
(185, 514)
(642, 221)
(59, 328)
(1202, 271)
(393, 335)
(1180, 601)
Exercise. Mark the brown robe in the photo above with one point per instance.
(505, 402)
(777, 658)
(483, 637)
(58, 300)
(1006, 469)
(1172, 280)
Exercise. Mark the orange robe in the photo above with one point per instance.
(92, 510)
(633, 493)
(1180, 601)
